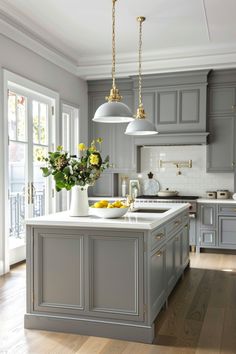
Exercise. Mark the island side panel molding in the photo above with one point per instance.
(116, 291)
(58, 271)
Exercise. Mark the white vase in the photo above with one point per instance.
(79, 201)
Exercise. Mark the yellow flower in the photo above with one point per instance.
(81, 147)
(60, 148)
(99, 140)
(94, 159)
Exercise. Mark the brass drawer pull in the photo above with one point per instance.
(159, 236)
(177, 222)
(158, 254)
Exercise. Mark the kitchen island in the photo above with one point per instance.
(104, 277)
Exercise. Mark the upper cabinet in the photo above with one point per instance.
(221, 150)
(175, 102)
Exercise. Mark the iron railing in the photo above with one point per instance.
(17, 211)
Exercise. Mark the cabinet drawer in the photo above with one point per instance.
(208, 238)
(227, 209)
(174, 224)
(157, 237)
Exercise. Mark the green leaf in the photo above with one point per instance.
(59, 176)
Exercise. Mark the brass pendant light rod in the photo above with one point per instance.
(140, 111)
(114, 92)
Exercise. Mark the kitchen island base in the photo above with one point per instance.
(101, 281)
(143, 334)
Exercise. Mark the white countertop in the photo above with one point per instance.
(132, 220)
(216, 201)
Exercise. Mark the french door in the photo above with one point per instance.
(30, 132)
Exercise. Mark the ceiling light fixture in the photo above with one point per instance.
(140, 126)
(113, 111)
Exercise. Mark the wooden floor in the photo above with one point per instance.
(200, 319)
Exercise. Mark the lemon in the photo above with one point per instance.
(123, 206)
(104, 203)
(110, 205)
(98, 205)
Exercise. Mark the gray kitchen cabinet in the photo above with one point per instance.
(227, 232)
(207, 224)
(175, 103)
(105, 186)
(170, 264)
(208, 238)
(157, 280)
(221, 148)
(221, 121)
(178, 254)
(115, 291)
(216, 226)
(185, 245)
(222, 100)
(59, 284)
(208, 215)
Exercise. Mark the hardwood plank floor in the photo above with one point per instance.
(200, 318)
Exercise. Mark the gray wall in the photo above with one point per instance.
(28, 64)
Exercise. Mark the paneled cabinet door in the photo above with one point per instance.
(157, 281)
(170, 264)
(178, 254)
(58, 271)
(116, 291)
(207, 216)
(227, 232)
(185, 245)
(221, 148)
(222, 100)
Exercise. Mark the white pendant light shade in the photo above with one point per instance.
(140, 127)
(113, 112)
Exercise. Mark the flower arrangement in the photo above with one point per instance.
(71, 170)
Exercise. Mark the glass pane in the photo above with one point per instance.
(12, 115)
(21, 118)
(66, 131)
(39, 184)
(35, 122)
(17, 186)
(43, 124)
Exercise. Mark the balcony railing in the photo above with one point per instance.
(17, 211)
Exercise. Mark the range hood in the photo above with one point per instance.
(198, 138)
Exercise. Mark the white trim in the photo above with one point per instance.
(222, 56)
(19, 34)
(52, 97)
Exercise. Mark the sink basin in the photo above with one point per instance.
(154, 211)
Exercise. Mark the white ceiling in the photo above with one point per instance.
(175, 34)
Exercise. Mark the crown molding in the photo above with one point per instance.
(18, 33)
(160, 62)
(99, 67)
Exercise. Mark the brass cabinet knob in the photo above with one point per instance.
(159, 236)
(158, 254)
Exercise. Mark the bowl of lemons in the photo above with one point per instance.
(106, 210)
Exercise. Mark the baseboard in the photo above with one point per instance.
(124, 331)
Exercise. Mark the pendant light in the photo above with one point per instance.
(113, 111)
(140, 126)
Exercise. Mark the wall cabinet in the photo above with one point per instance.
(175, 102)
(221, 121)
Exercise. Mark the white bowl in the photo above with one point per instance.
(108, 213)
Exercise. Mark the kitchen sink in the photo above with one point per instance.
(155, 211)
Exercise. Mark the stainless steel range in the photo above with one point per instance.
(152, 201)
